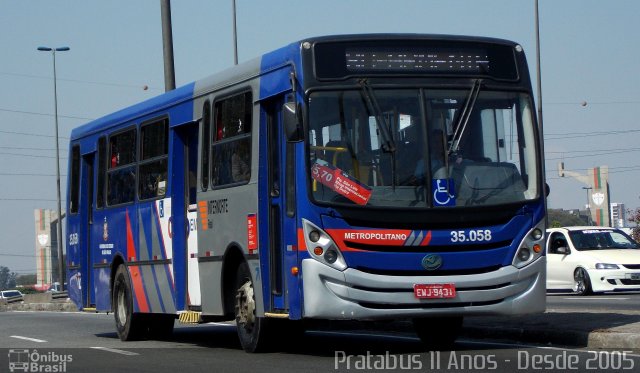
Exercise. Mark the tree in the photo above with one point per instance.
(561, 218)
(7, 278)
(26, 280)
(634, 217)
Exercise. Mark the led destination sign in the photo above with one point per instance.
(422, 58)
(432, 61)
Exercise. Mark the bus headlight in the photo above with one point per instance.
(321, 247)
(531, 247)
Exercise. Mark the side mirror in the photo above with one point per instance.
(291, 121)
(563, 250)
(547, 190)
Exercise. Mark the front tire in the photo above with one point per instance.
(252, 330)
(582, 282)
(438, 333)
(130, 326)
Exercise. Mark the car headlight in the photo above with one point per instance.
(606, 266)
(321, 247)
(531, 247)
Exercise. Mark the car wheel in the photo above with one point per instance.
(582, 284)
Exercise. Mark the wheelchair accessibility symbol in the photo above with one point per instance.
(443, 192)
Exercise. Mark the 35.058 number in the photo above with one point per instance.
(475, 235)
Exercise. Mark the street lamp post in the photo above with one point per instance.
(55, 105)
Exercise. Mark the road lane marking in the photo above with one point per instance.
(596, 298)
(29, 339)
(116, 351)
(220, 324)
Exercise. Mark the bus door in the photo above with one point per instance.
(185, 212)
(87, 209)
(281, 246)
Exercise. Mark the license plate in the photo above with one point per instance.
(434, 291)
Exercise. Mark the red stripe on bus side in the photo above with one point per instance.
(134, 271)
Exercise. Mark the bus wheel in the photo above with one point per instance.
(130, 326)
(438, 333)
(582, 282)
(251, 329)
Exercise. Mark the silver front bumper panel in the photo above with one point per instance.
(357, 295)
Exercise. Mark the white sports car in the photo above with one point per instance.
(592, 259)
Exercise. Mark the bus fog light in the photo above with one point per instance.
(524, 254)
(314, 236)
(536, 234)
(331, 256)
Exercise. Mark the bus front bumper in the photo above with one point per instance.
(357, 295)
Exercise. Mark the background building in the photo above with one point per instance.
(46, 248)
(618, 215)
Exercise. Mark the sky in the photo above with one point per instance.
(589, 50)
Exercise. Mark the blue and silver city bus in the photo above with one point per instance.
(359, 177)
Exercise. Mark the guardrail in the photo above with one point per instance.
(60, 295)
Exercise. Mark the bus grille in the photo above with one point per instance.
(427, 249)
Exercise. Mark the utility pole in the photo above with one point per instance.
(235, 35)
(167, 43)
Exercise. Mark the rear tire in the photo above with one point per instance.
(252, 330)
(129, 325)
(438, 333)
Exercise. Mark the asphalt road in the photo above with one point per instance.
(607, 302)
(86, 342)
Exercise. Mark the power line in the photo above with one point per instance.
(20, 255)
(593, 103)
(82, 81)
(31, 155)
(44, 114)
(575, 135)
(25, 148)
(29, 199)
(595, 153)
(26, 174)
(30, 134)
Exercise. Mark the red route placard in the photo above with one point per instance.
(341, 183)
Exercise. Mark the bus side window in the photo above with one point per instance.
(206, 140)
(102, 162)
(154, 147)
(74, 200)
(121, 176)
(231, 148)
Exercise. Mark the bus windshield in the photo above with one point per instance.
(422, 148)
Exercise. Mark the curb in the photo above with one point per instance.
(604, 339)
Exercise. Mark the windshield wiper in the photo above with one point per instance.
(463, 118)
(387, 145)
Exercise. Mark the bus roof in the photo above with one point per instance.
(267, 61)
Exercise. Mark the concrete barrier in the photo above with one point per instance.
(40, 302)
(38, 298)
